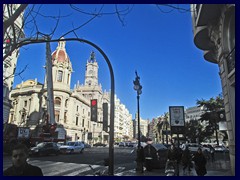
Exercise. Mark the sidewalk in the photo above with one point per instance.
(217, 168)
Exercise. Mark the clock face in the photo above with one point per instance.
(90, 72)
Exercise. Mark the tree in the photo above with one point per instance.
(213, 108)
(194, 131)
(162, 126)
(33, 11)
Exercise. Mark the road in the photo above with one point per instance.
(124, 163)
(78, 164)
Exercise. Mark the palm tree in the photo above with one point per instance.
(163, 126)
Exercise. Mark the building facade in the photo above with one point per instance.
(122, 121)
(9, 64)
(193, 113)
(214, 33)
(72, 106)
(144, 127)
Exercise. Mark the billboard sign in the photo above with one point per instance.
(177, 119)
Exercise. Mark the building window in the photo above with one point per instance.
(25, 103)
(76, 121)
(65, 117)
(68, 80)
(57, 101)
(5, 91)
(66, 103)
(83, 123)
(57, 115)
(77, 108)
(59, 76)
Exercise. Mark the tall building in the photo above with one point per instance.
(143, 127)
(122, 121)
(9, 64)
(214, 33)
(72, 106)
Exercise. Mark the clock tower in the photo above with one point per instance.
(91, 74)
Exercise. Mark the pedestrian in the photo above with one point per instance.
(200, 162)
(20, 167)
(186, 159)
(212, 151)
(174, 155)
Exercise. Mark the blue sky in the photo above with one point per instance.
(155, 41)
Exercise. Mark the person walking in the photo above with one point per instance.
(212, 151)
(20, 167)
(200, 162)
(174, 156)
(186, 159)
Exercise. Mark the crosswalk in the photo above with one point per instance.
(51, 168)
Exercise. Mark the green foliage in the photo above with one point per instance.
(213, 108)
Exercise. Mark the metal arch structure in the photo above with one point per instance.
(23, 42)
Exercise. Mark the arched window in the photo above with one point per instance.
(68, 79)
(66, 103)
(65, 117)
(57, 116)
(57, 101)
(59, 76)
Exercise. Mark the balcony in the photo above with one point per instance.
(210, 56)
(201, 38)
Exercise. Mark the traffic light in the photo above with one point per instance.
(94, 110)
(8, 45)
(105, 117)
(53, 127)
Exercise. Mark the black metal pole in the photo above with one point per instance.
(139, 143)
(216, 132)
(139, 152)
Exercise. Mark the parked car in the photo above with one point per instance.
(45, 148)
(193, 147)
(86, 145)
(220, 149)
(122, 144)
(72, 147)
(99, 145)
(60, 144)
(132, 144)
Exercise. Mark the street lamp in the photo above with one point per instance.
(137, 87)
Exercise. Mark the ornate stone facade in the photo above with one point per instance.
(72, 107)
(214, 33)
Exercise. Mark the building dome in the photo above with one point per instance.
(60, 54)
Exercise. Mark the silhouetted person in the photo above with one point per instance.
(20, 167)
(186, 159)
(200, 163)
(174, 155)
(212, 151)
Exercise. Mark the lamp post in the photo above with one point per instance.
(137, 87)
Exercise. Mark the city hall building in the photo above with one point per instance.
(71, 106)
